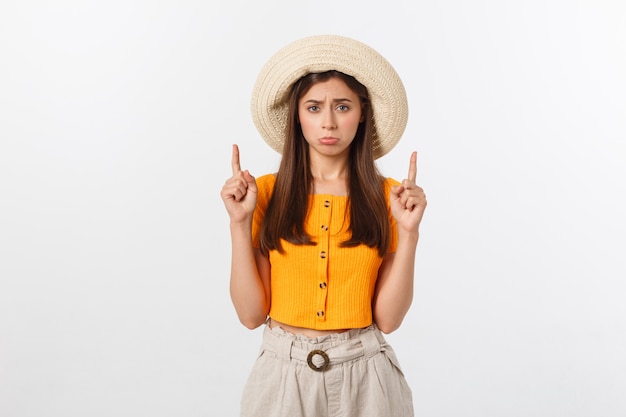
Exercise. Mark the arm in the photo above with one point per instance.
(394, 287)
(250, 270)
(249, 278)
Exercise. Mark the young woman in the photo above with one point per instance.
(323, 251)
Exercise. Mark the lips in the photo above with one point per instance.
(328, 140)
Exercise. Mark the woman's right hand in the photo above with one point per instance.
(239, 192)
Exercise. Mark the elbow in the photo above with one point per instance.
(388, 320)
(388, 326)
(252, 322)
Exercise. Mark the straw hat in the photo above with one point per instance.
(321, 53)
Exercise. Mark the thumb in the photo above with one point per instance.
(250, 180)
(396, 190)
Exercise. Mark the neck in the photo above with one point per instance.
(329, 169)
(330, 178)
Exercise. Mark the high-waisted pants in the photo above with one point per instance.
(349, 374)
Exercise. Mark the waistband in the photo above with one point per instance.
(321, 352)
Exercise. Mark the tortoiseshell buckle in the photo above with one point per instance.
(322, 367)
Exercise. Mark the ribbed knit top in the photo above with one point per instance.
(322, 286)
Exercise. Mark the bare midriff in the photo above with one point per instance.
(310, 333)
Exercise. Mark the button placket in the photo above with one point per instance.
(323, 245)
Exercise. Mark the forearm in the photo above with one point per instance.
(249, 281)
(394, 291)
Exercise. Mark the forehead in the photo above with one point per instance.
(332, 88)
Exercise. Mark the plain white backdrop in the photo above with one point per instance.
(116, 125)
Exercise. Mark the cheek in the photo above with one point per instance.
(306, 127)
(352, 123)
(305, 124)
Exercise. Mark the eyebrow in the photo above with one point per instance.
(335, 100)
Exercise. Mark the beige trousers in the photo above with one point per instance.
(349, 374)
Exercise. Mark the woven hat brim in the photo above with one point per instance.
(269, 105)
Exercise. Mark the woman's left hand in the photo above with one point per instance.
(408, 200)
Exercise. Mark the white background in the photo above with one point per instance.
(116, 125)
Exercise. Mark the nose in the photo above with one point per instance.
(328, 120)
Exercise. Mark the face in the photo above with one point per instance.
(329, 115)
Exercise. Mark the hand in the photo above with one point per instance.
(239, 192)
(408, 200)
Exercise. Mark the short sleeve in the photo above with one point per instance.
(265, 186)
(393, 227)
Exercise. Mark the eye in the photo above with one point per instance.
(343, 107)
(313, 109)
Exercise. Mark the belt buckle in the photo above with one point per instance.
(322, 367)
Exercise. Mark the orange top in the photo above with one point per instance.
(322, 286)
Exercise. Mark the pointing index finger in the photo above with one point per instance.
(235, 160)
(413, 167)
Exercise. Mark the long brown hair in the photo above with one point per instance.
(287, 209)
